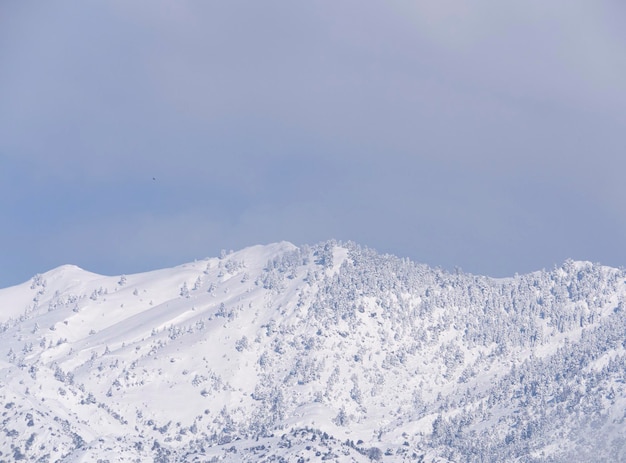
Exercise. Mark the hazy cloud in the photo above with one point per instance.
(488, 136)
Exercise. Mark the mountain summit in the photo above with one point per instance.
(326, 352)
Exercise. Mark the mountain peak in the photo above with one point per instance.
(330, 351)
(68, 271)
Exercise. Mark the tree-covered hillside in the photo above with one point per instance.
(327, 352)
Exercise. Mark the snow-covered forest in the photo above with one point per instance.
(327, 352)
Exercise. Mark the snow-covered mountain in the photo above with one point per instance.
(326, 352)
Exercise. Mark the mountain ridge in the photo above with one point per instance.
(356, 355)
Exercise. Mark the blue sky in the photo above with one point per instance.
(489, 136)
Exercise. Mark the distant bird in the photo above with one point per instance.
(153, 178)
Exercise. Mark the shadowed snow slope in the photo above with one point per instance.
(326, 352)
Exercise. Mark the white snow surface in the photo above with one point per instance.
(325, 352)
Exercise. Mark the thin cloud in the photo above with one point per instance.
(488, 136)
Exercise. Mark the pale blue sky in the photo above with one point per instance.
(486, 135)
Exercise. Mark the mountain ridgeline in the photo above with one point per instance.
(327, 352)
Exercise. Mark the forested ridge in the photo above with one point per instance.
(331, 351)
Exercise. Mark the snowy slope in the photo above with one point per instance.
(326, 352)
